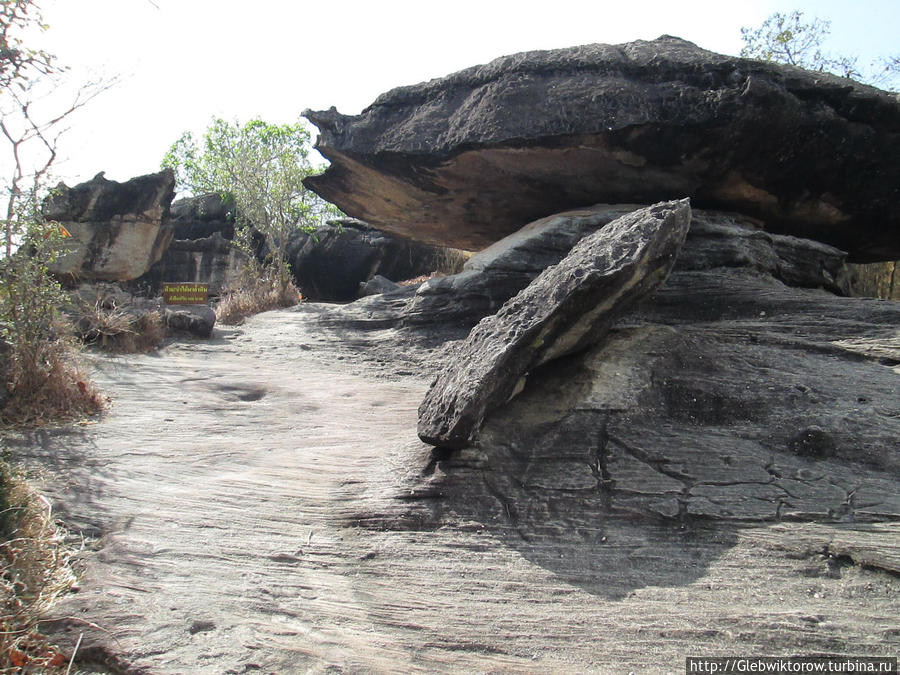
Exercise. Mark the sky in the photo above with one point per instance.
(181, 62)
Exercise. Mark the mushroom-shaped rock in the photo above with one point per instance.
(467, 159)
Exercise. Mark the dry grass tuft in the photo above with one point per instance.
(112, 322)
(420, 279)
(34, 572)
(48, 384)
(450, 261)
(253, 297)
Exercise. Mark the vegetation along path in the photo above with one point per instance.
(220, 501)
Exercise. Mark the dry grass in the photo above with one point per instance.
(47, 384)
(34, 572)
(450, 261)
(876, 280)
(253, 297)
(420, 279)
(115, 325)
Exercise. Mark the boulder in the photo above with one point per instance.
(196, 320)
(377, 285)
(330, 263)
(465, 160)
(492, 276)
(729, 398)
(118, 229)
(570, 306)
(201, 250)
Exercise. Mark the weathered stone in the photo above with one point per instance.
(203, 216)
(494, 275)
(197, 320)
(726, 397)
(118, 229)
(210, 260)
(377, 285)
(567, 308)
(464, 160)
(330, 263)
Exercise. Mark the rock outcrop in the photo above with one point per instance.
(493, 276)
(743, 392)
(569, 307)
(203, 216)
(330, 263)
(467, 159)
(209, 260)
(118, 229)
(201, 249)
(377, 285)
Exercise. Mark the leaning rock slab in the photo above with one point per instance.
(464, 160)
(492, 276)
(118, 229)
(568, 307)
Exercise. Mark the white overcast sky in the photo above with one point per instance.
(183, 61)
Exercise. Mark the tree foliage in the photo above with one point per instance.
(19, 63)
(787, 38)
(260, 166)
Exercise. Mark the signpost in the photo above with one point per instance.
(178, 293)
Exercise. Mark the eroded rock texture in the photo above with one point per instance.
(570, 306)
(201, 250)
(118, 229)
(464, 160)
(742, 393)
(453, 304)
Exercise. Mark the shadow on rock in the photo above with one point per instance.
(63, 457)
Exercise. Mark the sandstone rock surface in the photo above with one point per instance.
(570, 306)
(118, 229)
(467, 159)
(445, 305)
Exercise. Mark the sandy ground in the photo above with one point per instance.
(227, 503)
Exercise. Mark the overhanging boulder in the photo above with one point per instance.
(465, 160)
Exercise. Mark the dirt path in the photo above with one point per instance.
(221, 499)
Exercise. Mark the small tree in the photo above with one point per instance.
(786, 38)
(260, 166)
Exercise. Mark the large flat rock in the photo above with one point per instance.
(570, 306)
(465, 160)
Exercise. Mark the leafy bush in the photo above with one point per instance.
(259, 167)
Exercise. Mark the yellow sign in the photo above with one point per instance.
(177, 293)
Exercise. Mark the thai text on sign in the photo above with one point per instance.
(185, 294)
